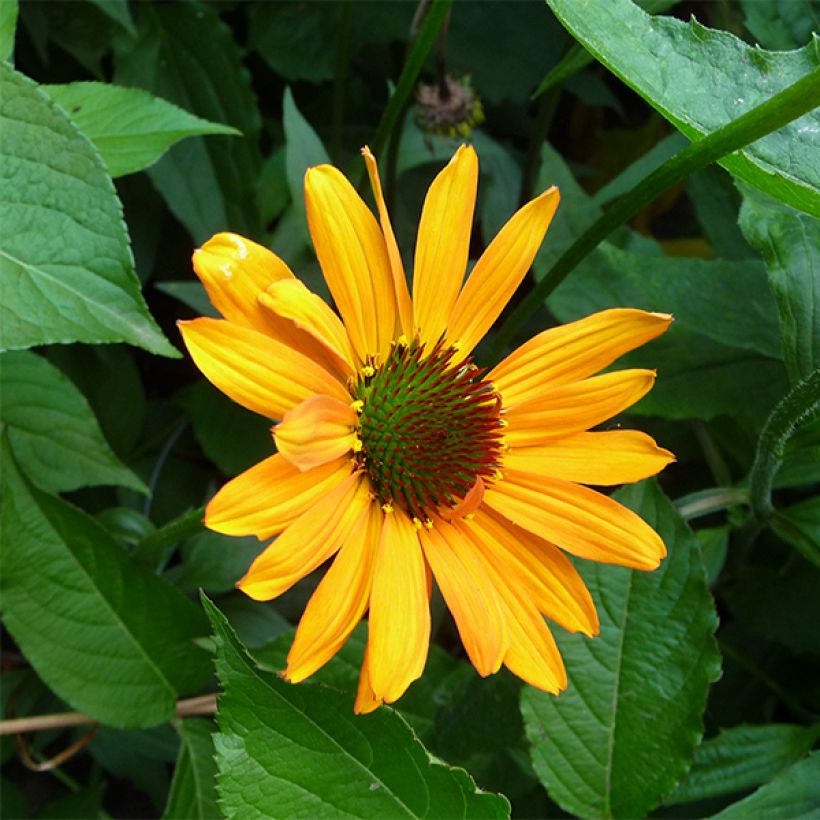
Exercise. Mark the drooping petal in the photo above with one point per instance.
(339, 601)
(291, 300)
(366, 700)
(470, 596)
(404, 315)
(254, 370)
(604, 458)
(269, 496)
(577, 519)
(443, 243)
(573, 408)
(317, 431)
(307, 542)
(549, 577)
(235, 271)
(499, 272)
(399, 610)
(572, 352)
(351, 250)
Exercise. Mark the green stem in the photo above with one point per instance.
(532, 161)
(777, 111)
(153, 547)
(704, 502)
(802, 402)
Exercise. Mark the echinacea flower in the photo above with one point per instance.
(405, 461)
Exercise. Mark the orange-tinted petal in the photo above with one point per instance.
(443, 243)
(366, 700)
(339, 601)
(574, 351)
(605, 458)
(577, 519)
(254, 370)
(399, 610)
(263, 500)
(499, 272)
(307, 542)
(235, 271)
(470, 596)
(319, 430)
(353, 256)
(573, 408)
(291, 300)
(404, 315)
(548, 576)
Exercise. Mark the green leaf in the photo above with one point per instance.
(193, 789)
(192, 294)
(108, 636)
(8, 27)
(800, 526)
(215, 562)
(789, 242)
(185, 54)
(742, 757)
(793, 793)
(622, 735)
(118, 11)
(669, 63)
(66, 270)
(781, 24)
(285, 750)
(130, 128)
(52, 430)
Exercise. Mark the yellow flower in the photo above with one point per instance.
(401, 458)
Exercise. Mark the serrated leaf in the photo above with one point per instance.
(130, 128)
(109, 637)
(669, 63)
(285, 750)
(66, 270)
(742, 757)
(789, 242)
(793, 793)
(52, 430)
(622, 735)
(185, 54)
(193, 789)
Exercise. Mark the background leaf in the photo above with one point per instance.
(66, 271)
(52, 430)
(8, 26)
(193, 789)
(108, 636)
(622, 735)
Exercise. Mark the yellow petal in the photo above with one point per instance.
(499, 271)
(256, 371)
(404, 315)
(443, 243)
(291, 300)
(235, 271)
(470, 596)
(308, 541)
(577, 519)
(351, 250)
(339, 601)
(271, 495)
(605, 458)
(573, 408)
(366, 700)
(553, 583)
(572, 352)
(319, 430)
(399, 610)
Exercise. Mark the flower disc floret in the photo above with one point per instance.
(429, 428)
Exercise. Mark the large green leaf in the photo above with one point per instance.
(793, 793)
(52, 430)
(781, 24)
(193, 789)
(66, 270)
(285, 751)
(8, 27)
(742, 757)
(789, 242)
(108, 636)
(185, 54)
(622, 735)
(130, 128)
(670, 63)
